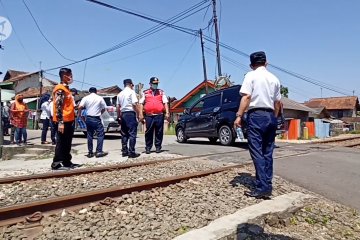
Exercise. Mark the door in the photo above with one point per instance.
(202, 121)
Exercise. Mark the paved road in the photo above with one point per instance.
(331, 172)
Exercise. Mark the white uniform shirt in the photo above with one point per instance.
(45, 110)
(126, 99)
(164, 98)
(51, 106)
(93, 104)
(263, 87)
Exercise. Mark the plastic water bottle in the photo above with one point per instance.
(240, 134)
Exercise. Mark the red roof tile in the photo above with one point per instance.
(334, 103)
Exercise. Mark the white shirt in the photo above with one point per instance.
(126, 99)
(263, 87)
(93, 104)
(164, 98)
(51, 106)
(45, 110)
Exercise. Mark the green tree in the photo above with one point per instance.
(284, 91)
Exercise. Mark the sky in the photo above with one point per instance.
(318, 39)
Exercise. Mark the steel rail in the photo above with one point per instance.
(16, 213)
(80, 171)
(338, 140)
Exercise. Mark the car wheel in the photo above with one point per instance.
(213, 139)
(180, 135)
(226, 135)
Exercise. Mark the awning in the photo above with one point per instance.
(7, 95)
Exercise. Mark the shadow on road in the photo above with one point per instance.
(243, 145)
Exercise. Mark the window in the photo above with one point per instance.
(198, 107)
(212, 102)
(231, 95)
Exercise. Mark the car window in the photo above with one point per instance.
(198, 107)
(212, 102)
(231, 95)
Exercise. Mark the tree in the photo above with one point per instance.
(284, 91)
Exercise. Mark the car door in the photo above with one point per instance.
(192, 124)
(201, 123)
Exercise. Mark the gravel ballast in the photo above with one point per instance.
(32, 190)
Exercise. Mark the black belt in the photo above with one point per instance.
(261, 109)
(128, 112)
(153, 115)
(97, 117)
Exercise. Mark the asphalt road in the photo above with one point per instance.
(331, 172)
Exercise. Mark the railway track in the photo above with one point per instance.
(350, 142)
(29, 213)
(76, 172)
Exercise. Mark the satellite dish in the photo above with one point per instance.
(5, 28)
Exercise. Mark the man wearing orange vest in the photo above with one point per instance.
(63, 117)
(154, 104)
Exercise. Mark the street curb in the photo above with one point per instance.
(227, 225)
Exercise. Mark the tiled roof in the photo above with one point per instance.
(13, 73)
(19, 77)
(35, 92)
(291, 104)
(334, 103)
(110, 90)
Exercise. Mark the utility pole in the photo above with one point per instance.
(216, 38)
(203, 61)
(353, 92)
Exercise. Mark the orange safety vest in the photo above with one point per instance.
(68, 106)
(153, 102)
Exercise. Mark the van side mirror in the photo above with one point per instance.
(186, 111)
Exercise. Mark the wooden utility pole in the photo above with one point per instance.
(203, 61)
(216, 38)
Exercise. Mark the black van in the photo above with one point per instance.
(212, 117)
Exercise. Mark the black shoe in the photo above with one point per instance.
(90, 155)
(134, 155)
(75, 165)
(257, 194)
(58, 166)
(158, 150)
(147, 151)
(125, 154)
(53, 143)
(101, 154)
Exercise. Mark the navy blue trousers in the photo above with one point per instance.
(45, 128)
(129, 128)
(261, 138)
(94, 124)
(154, 126)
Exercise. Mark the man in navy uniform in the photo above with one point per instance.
(154, 104)
(128, 110)
(261, 98)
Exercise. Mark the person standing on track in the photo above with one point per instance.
(127, 112)
(154, 104)
(95, 106)
(261, 97)
(63, 116)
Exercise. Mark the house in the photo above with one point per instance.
(295, 110)
(177, 107)
(113, 90)
(319, 113)
(23, 80)
(338, 107)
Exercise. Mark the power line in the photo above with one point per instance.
(18, 37)
(185, 14)
(296, 75)
(89, 84)
(41, 32)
